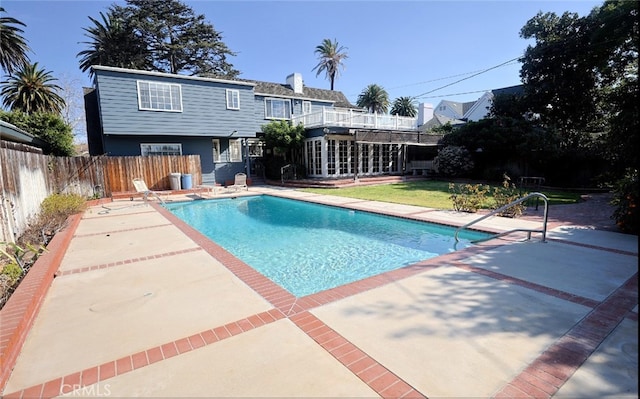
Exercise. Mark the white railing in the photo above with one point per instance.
(354, 119)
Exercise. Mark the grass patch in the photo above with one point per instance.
(426, 193)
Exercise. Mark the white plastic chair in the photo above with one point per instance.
(141, 187)
(239, 182)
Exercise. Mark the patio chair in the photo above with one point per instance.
(141, 187)
(239, 182)
(209, 188)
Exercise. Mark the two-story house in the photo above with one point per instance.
(133, 112)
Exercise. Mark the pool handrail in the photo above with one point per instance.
(505, 207)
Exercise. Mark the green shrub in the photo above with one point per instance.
(626, 198)
(54, 212)
(62, 204)
(468, 197)
(505, 195)
(453, 161)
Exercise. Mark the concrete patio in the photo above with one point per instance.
(144, 306)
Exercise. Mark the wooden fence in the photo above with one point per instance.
(27, 178)
(155, 170)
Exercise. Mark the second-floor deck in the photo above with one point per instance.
(354, 119)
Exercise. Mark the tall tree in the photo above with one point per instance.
(559, 79)
(31, 90)
(13, 47)
(614, 28)
(331, 58)
(179, 40)
(404, 106)
(581, 75)
(374, 98)
(113, 42)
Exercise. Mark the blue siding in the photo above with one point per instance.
(121, 145)
(204, 116)
(204, 111)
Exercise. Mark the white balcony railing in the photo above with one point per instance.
(354, 119)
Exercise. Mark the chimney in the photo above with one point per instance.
(295, 82)
(425, 113)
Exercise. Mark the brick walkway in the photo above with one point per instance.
(595, 211)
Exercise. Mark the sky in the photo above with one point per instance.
(429, 50)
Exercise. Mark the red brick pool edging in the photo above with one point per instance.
(19, 312)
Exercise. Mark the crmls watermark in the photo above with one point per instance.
(91, 390)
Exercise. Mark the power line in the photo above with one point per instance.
(474, 73)
(468, 77)
(434, 80)
(457, 94)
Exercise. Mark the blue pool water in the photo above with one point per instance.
(308, 248)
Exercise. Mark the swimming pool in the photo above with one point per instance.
(308, 248)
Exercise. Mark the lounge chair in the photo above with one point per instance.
(141, 187)
(209, 188)
(240, 182)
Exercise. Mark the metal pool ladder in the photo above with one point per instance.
(516, 202)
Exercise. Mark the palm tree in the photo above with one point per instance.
(113, 43)
(374, 98)
(331, 56)
(13, 47)
(30, 90)
(403, 106)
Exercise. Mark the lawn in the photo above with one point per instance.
(426, 193)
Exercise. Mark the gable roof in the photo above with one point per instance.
(310, 93)
(439, 120)
(485, 100)
(458, 107)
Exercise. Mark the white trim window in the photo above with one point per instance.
(147, 149)
(277, 108)
(233, 99)
(215, 148)
(235, 150)
(306, 107)
(158, 96)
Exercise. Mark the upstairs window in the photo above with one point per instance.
(160, 149)
(275, 108)
(156, 96)
(233, 99)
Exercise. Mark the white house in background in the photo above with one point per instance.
(453, 109)
(457, 113)
(479, 109)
